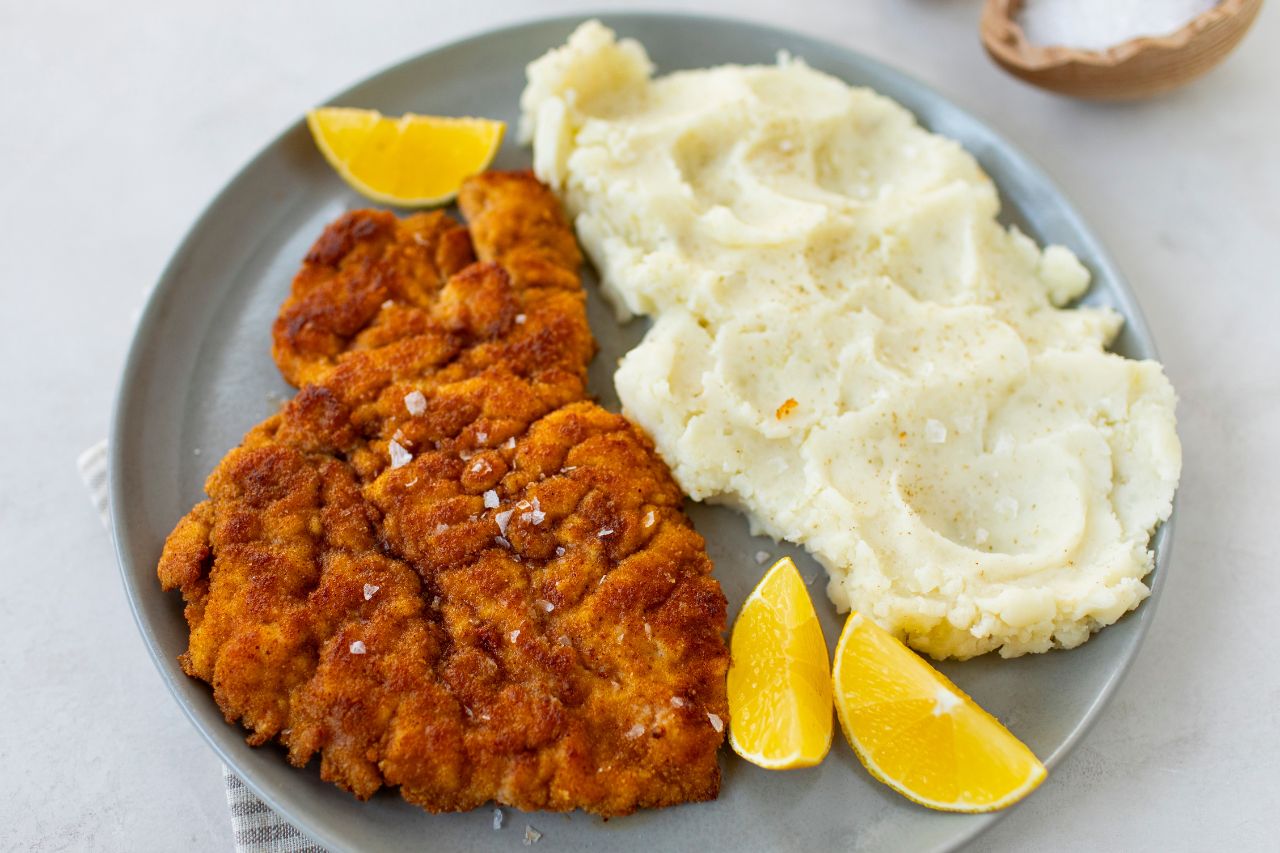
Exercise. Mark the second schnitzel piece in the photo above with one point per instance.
(439, 567)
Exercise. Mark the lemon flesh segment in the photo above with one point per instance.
(920, 734)
(779, 682)
(406, 161)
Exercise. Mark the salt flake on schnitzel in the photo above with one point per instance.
(399, 456)
(415, 402)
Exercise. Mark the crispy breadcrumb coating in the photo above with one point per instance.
(439, 567)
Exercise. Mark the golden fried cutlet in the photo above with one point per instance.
(439, 567)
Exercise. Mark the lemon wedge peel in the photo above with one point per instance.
(939, 714)
(404, 161)
(779, 681)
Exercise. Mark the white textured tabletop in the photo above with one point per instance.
(119, 121)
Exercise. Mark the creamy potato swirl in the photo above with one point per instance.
(848, 345)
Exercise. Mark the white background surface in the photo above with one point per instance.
(119, 121)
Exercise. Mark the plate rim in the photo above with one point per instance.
(1162, 539)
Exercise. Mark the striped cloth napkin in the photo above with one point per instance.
(256, 828)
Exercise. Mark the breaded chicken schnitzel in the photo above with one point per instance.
(439, 567)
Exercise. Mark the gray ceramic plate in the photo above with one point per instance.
(200, 374)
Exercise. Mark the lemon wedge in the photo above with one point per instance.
(409, 161)
(920, 734)
(779, 682)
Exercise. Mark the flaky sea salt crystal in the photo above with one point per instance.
(482, 437)
(545, 605)
(491, 499)
(935, 432)
(944, 702)
(481, 466)
(520, 318)
(515, 635)
(387, 303)
(605, 531)
(635, 731)
(497, 819)
(1100, 24)
(415, 402)
(503, 541)
(762, 557)
(716, 722)
(503, 519)
(535, 515)
(531, 835)
(357, 648)
(440, 528)
(399, 456)
(559, 550)
(649, 518)
(510, 443)
(677, 702)
(370, 589)
(411, 483)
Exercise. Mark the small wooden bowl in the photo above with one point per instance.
(1131, 69)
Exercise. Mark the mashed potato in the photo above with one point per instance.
(847, 345)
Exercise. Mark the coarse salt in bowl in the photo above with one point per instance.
(1135, 66)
